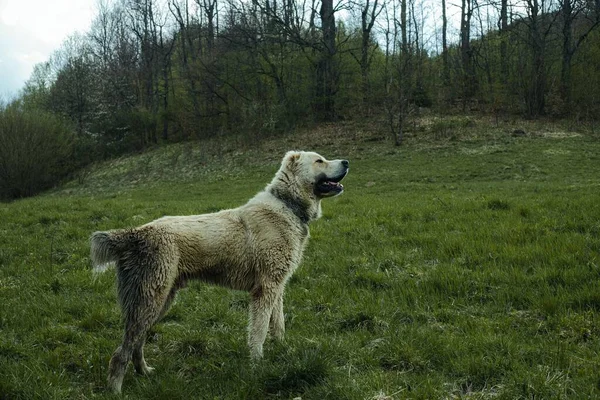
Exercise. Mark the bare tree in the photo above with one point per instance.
(114, 53)
(571, 11)
(147, 21)
(187, 50)
(484, 48)
(209, 8)
(327, 70)
(37, 87)
(445, 62)
(73, 91)
(503, 41)
(165, 50)
(398, 70)
(539, 22)
(369, 11)
(466, 52)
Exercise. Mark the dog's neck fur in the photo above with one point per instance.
(297, 206)
(306, 210)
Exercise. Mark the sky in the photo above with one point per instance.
(30, 30)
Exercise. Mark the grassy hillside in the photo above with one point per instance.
(463, 265)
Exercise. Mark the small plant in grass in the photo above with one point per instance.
(452, 127)
(359, 321)
(295, 371)
(497, 204)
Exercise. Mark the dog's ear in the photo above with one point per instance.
(290, 161)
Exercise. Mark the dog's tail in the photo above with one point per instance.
(105, 249)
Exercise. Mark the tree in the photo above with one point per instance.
(114, 53)
(469, 80)
(572, 38)
(399, 71)
(368, 15)
(187, 51)
(503, 41)
(539, 23)
(445, 62)
(327, 70)
(72, 94)
(36, 93)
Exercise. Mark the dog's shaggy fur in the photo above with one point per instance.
(255, 248)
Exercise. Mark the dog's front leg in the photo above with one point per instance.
(261, 308)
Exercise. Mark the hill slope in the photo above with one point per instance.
(465, 264)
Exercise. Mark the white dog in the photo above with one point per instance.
(255, 247)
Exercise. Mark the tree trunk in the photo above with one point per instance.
(466, 54)
(445, 65)
(187, 52)
(403, 19)
(567, 53)
(368, 17)
(503, 41)
(326, 67)
(210, 10)
(536, 92)
(364, 58)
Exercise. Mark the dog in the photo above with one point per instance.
(255, 248)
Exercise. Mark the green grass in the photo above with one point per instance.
(453, 268)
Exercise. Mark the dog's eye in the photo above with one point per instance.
(319, 161)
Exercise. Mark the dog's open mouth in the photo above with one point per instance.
(328, 186)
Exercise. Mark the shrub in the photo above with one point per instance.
(35, 150)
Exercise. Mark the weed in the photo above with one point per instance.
(497, 204)
(358, 321)
(297, 373)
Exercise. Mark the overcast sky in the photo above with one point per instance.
(30, 30)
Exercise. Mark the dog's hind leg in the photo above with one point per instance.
(138, 352)
(138, 359)
(142, 305)
(138, 324)
(277, 321)
(120, 359)
(179, 283)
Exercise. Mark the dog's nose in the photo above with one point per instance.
(345, 163)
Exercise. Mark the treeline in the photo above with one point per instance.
(154, 71)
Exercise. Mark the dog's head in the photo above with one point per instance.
(314, 172)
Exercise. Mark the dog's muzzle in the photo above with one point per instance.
(330, 186)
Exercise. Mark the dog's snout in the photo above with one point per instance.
(345, 163)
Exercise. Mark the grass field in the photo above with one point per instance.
(465, 264)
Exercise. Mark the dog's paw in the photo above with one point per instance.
(114, 385)
(148, 370)
(256, 354)
(144, 369)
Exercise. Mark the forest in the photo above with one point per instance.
(150, 72)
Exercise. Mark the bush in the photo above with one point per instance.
(35, 150)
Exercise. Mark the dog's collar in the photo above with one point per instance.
(293, 205)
